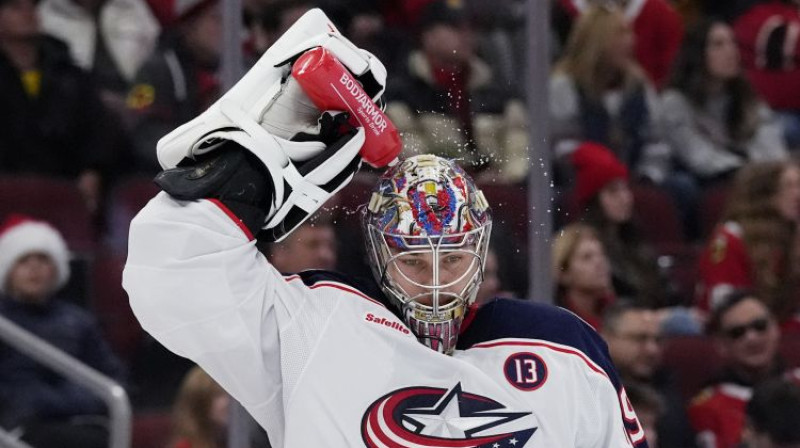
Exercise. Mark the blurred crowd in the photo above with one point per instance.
(674, 132)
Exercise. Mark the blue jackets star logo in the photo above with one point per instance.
(444, 418)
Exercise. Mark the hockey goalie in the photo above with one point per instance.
(320, 359)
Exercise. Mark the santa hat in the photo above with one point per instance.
(170, 12)
(21, 235)
(595, 167)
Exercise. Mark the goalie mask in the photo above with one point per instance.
(427, 228)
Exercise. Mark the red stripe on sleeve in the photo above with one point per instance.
(233, 217)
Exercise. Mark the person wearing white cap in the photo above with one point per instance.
(43, 406)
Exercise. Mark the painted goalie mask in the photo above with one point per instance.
(427, 228)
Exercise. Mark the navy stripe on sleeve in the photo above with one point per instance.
(511, 318)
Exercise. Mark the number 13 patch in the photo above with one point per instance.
(525, 371)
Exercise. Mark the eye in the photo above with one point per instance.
(453, 259)
(411, 262)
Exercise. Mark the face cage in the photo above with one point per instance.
(436, 326)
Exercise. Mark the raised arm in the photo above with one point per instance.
(195, 279)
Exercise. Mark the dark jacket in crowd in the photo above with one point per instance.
(674, 430)
(466, 114)
(29, 391)
(62, 131)
(170, 89)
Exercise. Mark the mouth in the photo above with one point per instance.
(427, 300)
(753, 350)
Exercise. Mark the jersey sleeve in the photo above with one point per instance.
(617, 423)
(610, 418)
(198, 285)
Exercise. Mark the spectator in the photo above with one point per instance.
(270, 21)
(657, 28)
(311, 246)
(448, 102)
(49, 409)
(649, 408)
(746, 336)
(52, 121)
(602, 190)
(200, 412)
(771, 57)
(405, 12)
(582, 273)
(364, 23)
(179, 80)
(634, 339)
(110, 39)
(753, 247)
(714, 120)
(599, 93)
(501, 37)
(773, 415)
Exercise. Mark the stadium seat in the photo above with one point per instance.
(509, 205)
(151, 429)
(711, 207)
(110, 304)
(345, 204)
(125, 202)
(135, 192)
(694, 360)
(56, 201)
(567, 209)
(790, 349)
(347, 217)
(656, 215)
(680, 265)
(654, 211)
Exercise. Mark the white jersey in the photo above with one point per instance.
(320, 362)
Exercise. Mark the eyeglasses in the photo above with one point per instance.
(759, 325)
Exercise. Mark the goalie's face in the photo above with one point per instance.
(433, 281)
(428, 229)
(434, 284)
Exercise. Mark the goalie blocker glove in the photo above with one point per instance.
(264, 114)
(239, 179)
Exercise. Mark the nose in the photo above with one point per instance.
(653, 347)
(751, 334)
(447, 277)
(427, 278)
(327, 257)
